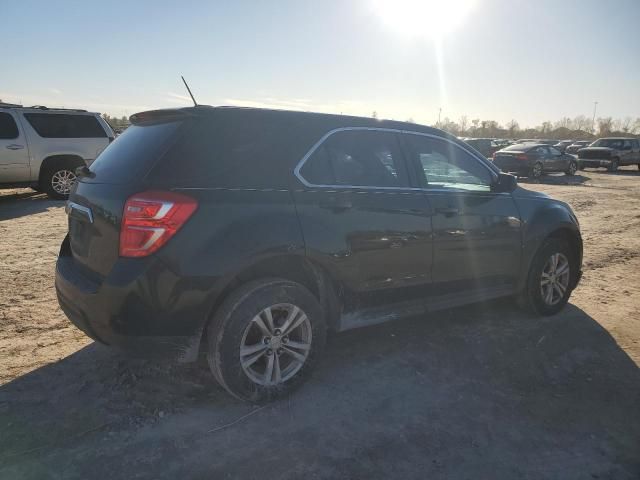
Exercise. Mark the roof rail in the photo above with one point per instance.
(42, 107)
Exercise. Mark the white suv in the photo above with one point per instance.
(42, 147)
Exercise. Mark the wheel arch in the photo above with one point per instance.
(564, 231)
(294, 267)
(52, 160)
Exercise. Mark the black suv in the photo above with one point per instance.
(247, 233)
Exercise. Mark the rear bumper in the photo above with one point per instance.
(513, 166)
(130, 310)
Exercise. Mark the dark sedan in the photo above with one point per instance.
(534, 159)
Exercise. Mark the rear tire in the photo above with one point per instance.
(534, 297)
(613, 166)
(536, 170)
(57, 179)
(249, 354)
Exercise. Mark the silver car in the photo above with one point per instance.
(41, 147)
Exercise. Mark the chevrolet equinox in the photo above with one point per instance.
(247, 234)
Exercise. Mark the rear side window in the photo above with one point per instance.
(64, 125)
(235, 148)
(8, 127)
(132, 153)
(359, 159)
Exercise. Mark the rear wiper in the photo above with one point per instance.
(84, 171)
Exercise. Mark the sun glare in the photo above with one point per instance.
(425, 18)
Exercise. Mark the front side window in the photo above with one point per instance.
(555, 152)
(8, 127)
(64, 125)
(358, 158)
(445, 164)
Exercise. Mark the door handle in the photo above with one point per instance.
(448, 211)
(336, 205)
(15, 146)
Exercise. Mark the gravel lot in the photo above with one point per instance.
(479, 392)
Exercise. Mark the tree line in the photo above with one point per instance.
(577, 128)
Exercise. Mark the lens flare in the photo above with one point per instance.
(423, 18)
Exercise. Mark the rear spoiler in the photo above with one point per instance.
(160, 116)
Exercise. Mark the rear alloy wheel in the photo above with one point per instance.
(265, 339)
(58, 180)
(573, 168)
(550, 279)
(536, 171)
(613, 166)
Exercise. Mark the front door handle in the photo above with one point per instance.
(448, 211)
(15, 146)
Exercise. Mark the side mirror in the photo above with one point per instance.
(505, 183)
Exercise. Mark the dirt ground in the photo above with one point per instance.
(479, 392)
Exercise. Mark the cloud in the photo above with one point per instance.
(177, 98)
(55, 91)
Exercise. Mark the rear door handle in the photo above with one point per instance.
(336, 205)
(15, 146)
(448, 211)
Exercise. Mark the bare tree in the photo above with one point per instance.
(625, 124)
(564, 122)
(513, 127)
(374, 114)
(582, 123)
(463, 124)
(604, 125)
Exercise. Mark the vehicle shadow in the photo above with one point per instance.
(622, 171)
(478, 392)
(556, 179)
(25, 202)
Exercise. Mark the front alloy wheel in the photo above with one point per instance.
(573, 168)
(554, 280)
(536, 171)
(551, 278)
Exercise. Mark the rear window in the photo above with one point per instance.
(518, 147)
(65, 125)
(8, 127)
(132, 153)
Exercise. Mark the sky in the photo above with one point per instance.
(531, 61)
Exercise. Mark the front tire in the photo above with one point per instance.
(536, 170)
(265, 339)
(551, 278)
(572, 169)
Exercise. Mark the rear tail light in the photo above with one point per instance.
(150, 219)
(522, 156)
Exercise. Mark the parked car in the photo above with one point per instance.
(562, 145)
(534, 160)
(577, 145)
(610, 153)
(485, 146)
(41, 147)
(247, 233)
